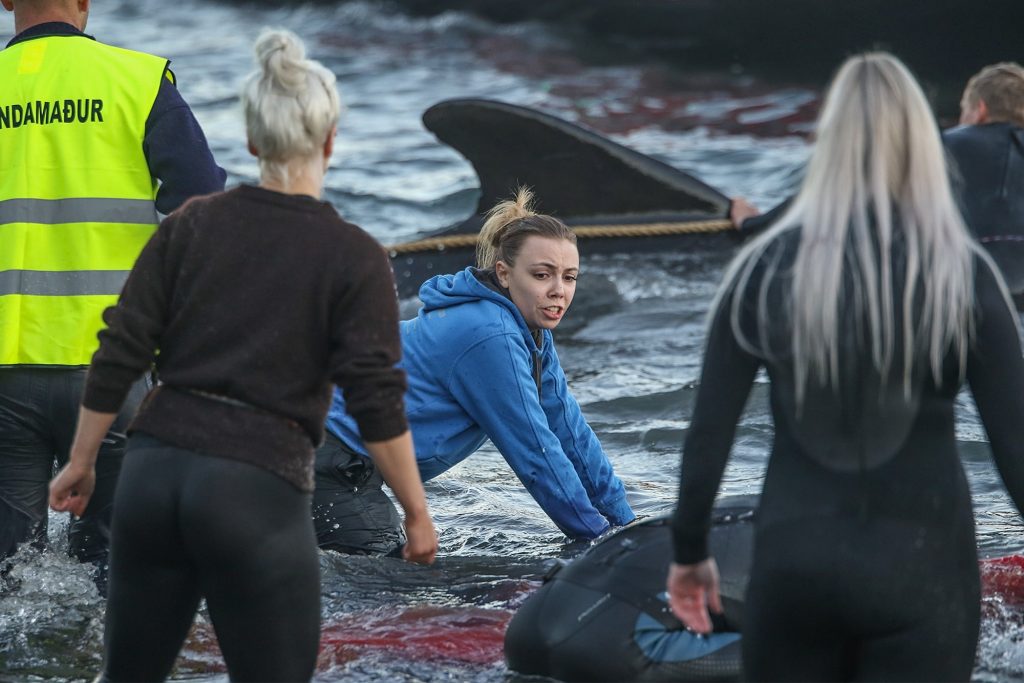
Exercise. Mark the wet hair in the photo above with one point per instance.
(290, 102)
(509, 223)
(877, 172)
(1001, 87)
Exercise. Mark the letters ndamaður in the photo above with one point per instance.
(49, 112)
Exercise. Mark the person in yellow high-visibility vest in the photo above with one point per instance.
(94, 142)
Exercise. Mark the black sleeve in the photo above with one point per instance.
(177, 152)
(725, 383)
(366, 345)
(761, 222)
(995, 372)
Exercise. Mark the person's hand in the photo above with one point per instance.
(421, 540)
(72, 488)
(740, 210)
(692, 588)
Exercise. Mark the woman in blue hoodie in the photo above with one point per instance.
(481, 364)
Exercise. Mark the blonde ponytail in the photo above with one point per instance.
(509, 223)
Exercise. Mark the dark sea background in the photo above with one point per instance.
(634, 366)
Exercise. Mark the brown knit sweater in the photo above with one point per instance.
(250, 303)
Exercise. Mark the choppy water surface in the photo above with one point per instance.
(634, 368)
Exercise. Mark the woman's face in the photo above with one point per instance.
(543, 280)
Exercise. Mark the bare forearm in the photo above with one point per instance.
(72, 488)
(397, 464)
(92, 429)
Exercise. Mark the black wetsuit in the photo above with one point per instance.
(988, 174)
(865, 564)
(987, 170)
(351, 512)
(604, 616)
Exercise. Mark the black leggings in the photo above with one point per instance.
(848, 600)
(188, 525)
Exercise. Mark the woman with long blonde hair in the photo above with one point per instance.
(869, 304)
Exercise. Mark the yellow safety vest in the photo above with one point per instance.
(76, 194)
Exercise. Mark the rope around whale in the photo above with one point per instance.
(582, 231)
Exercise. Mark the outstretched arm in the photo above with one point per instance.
(493, 382)
(72, 488)
(995, 372)
(725, 383)
(580, 444)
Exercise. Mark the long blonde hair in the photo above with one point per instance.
(878, 168)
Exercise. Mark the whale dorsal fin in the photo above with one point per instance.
(572, 171)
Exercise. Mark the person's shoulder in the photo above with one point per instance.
(346, 228)
(974, 134)
(194, 210)
(197, 204)
(479, 320)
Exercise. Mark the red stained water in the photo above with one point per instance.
(1003, 578)
(475, 635)
(466, 635)
(470, 635)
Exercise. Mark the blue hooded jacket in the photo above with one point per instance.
(469, 358)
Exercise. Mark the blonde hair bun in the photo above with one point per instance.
(281, 56)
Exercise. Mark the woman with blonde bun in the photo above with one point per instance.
(249, 304)
(481, 364)
(869, 305)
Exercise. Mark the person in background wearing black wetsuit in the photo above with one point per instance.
(94, 141)
(257, 299)
(986, 154)
(869, 303)
(987, 164)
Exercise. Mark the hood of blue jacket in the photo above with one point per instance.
(445, 291)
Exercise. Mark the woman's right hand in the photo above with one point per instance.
(692, 589)
(421, 539)
(72, 488)
(740, 210)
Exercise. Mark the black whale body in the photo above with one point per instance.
(590, 619)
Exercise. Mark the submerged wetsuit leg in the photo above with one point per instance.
(351, 512)
(228, 530)
(853, 600)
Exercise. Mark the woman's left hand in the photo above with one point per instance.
(692, 589)
(72, 488)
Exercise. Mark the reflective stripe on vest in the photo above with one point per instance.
(53, 211)
(76, 194)
(62, 282)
